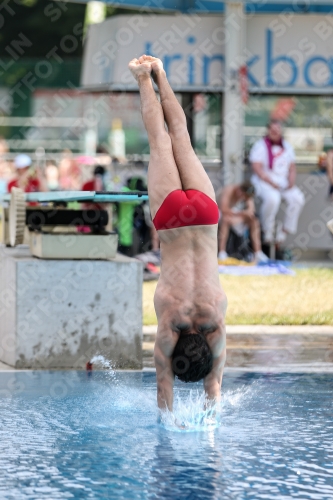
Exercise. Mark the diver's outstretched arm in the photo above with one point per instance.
(164, 379)
(213, 381)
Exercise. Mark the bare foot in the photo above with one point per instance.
(140, 69)
(156, 65)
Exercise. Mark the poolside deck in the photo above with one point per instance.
(264, 348)
(268, 348)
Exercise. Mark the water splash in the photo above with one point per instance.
(190, 411)
(99, 359)
(104, 363)
(233, 399)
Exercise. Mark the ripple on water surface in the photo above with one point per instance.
(70, 435)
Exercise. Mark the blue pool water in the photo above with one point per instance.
(66, 435)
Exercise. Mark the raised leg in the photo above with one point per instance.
(163, 176)
(191, 171)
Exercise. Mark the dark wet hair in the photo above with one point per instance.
(192, 358)
(247, 188)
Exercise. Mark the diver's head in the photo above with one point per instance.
(192, 358)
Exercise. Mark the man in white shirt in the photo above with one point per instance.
(274, 176)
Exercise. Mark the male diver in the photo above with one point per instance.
(189, 301)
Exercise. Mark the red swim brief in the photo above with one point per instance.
(186, 208)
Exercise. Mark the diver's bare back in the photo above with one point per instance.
(189, 296)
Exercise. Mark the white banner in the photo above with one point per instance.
(284, 52)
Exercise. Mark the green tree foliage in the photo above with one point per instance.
(44, 24)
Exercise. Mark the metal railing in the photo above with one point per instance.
(73, 138)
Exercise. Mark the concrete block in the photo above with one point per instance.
(60, 313)
(73, 246)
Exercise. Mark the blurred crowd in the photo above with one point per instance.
(273, 181)
(69, 172)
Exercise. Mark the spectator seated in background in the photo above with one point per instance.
(238, 212)
(26, 178)
(274, 176)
